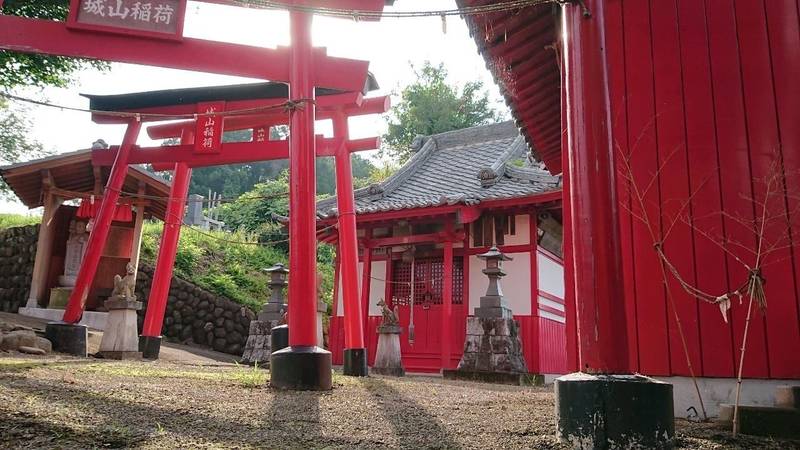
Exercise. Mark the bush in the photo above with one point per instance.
(18, 220)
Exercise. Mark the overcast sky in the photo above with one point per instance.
(391, 46)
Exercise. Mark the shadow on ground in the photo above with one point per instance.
(414, 426)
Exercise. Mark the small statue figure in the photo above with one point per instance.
(390, 316)
(125, 286)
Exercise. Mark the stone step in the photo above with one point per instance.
(767, 421)
(787, 397)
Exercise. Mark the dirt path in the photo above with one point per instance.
(85, 403)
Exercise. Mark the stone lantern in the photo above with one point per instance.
(258, 347)
(276, 305)
(493, 304)
(492, 348)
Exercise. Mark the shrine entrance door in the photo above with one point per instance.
(424, 354)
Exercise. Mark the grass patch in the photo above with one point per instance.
(250, 377)
(243, 375)
(18, 220)
(12, 365)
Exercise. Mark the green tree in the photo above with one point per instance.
(431, 105)
(15, 146)
(30, 69)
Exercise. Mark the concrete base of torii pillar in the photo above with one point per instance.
(617, 411)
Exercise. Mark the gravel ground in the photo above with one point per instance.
(84, 403)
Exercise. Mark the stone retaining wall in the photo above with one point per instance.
(194, 315)
(17, 253)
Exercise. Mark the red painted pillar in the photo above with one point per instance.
(302, 189)
(599, 295)
(159, 291)
(102, 226)
(447, 302)
(348, 241)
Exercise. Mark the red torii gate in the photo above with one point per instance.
(301, 365)
(339, 107)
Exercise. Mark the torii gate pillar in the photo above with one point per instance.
(302, 365)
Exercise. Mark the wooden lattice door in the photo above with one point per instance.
(424, 353)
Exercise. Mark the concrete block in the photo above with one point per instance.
(767, 421)
(787, 397)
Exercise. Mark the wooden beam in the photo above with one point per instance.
(441, 236)
(351, 104)
(163, 158)
(54, 38)
(44, 244)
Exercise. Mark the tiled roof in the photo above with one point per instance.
(466, 166)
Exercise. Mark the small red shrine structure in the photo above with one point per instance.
(461, 193)
(59, 184)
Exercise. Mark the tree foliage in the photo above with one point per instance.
(30, 69)
(236, 179)
(15, 146)
(431, 105)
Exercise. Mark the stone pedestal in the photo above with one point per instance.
(59, 297)
(614, 411)
(258, 348)
(388, 359)
(492, 352)
(120, 338)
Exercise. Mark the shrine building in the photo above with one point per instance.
(69, 188)
(469, 190)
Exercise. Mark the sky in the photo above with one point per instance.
(393, 46)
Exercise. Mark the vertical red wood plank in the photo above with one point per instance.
(784, 39)
(616, 61)
(734, 160)
(674, 182)
(447, 303)
(764, 141)
(710, 266)
(642, 135)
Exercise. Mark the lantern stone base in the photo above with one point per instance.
(492, 345)
(150, 346)
(614, 411)
(355, 362)
(301, 368)
(72, 339)
(120, 338)
(258, 347)
(388, 358)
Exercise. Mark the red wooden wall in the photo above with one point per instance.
(707, 90)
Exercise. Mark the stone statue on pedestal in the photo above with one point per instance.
(388, 358)
(121, 337)
(124, 287)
